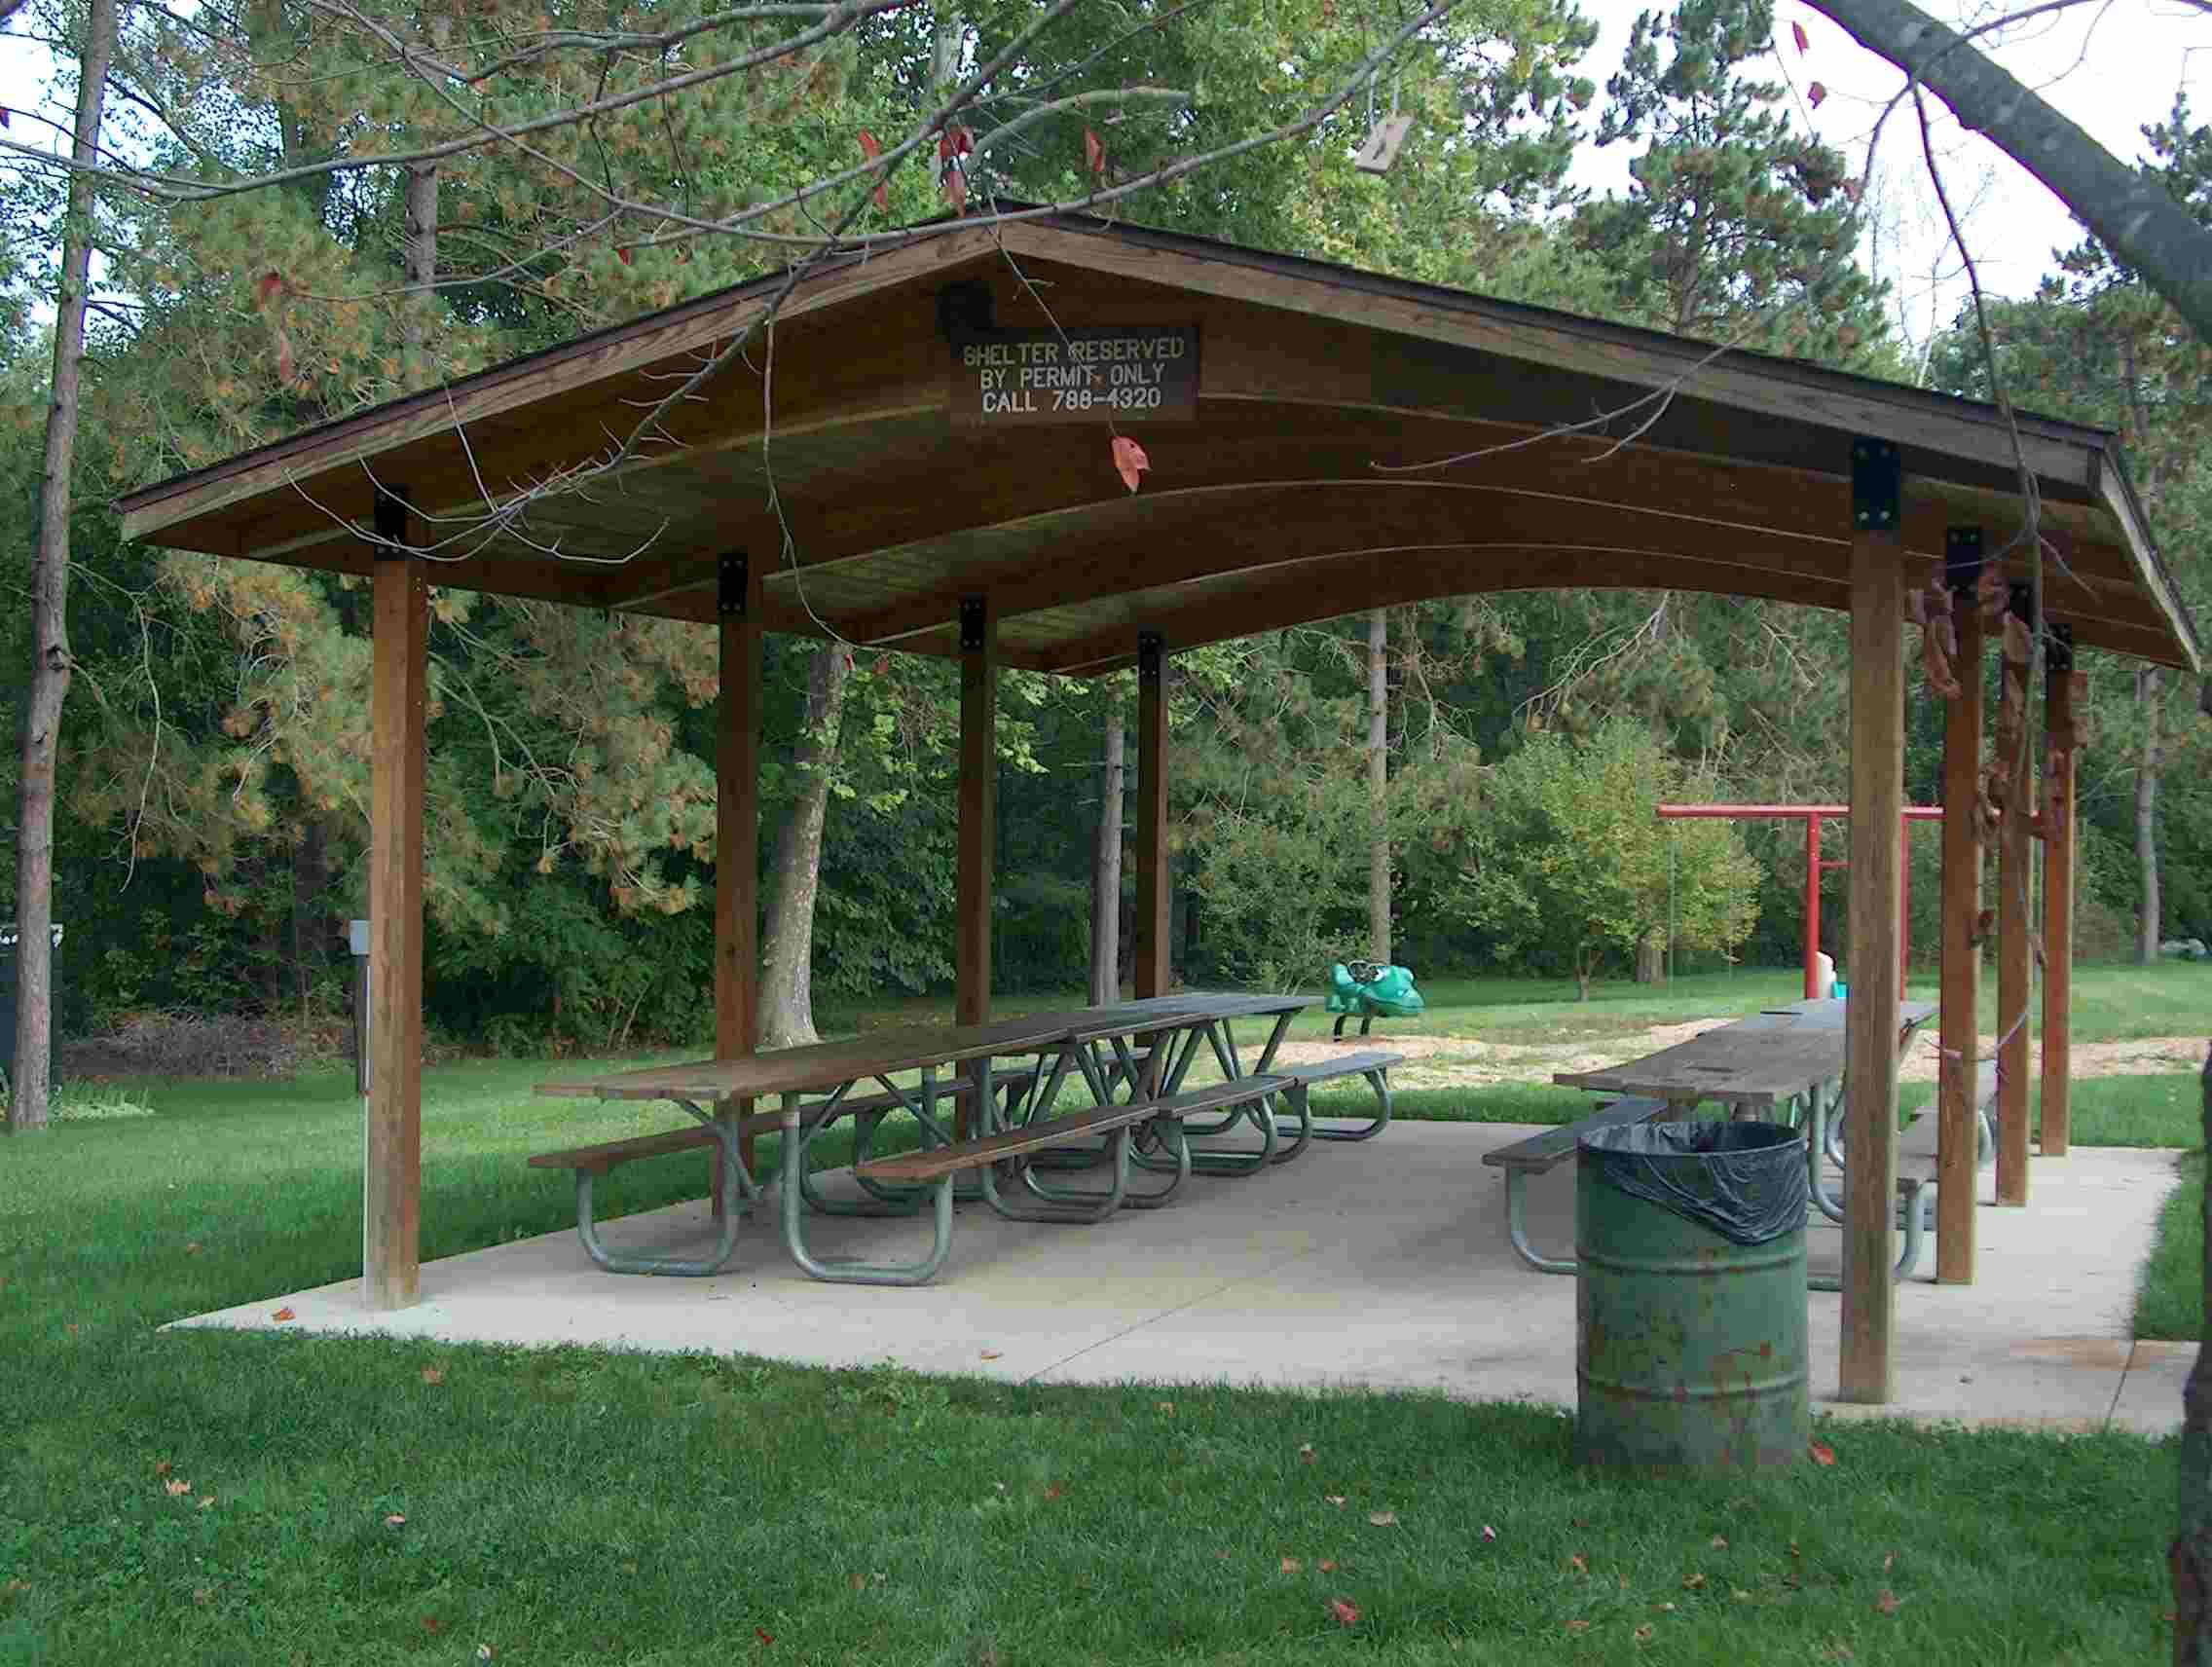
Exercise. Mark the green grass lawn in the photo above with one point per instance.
(212, 1497)
(2112, 1002)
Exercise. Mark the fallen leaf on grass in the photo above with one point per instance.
(70, 1328)
(764, 1640)
(1578, 1626)
(207, 1502)
(1327, 1566)
(1822, 1453)
(1291, 1566)
(1305, 1452)
(162, 1467)
(1693, 1582)
(1888, 1559)
(1644, 1633)
(432, 1375)
(15, 1589)
(485, 1652)
(176, 1487)
(1166, 1409)
(395, 1520)
(283, 1315)
(1336, 1500)
(1793, 1551)
(858, 1582)
(1384, 1519)
(1580, 1564)
(1886, 1603)
(1053, 1491)
(1221, 1556)
(1739, 1594)
(1348, 1614)
(1488, 1533)
(203, 1596)
(1836, 1652)
(1663, 1609)
(1720, 1542)
(193, 1248)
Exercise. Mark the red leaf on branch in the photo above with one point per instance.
(956, 190)
(622, 255)
(954, 143)
(1815, 94)
(1798, 34)
(1093, 152)
(1129, 460)
(872, 150)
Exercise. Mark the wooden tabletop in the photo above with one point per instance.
(821, 1066)
(826, 1065)
(1759, 1060)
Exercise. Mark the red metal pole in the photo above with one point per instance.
(1812, 906)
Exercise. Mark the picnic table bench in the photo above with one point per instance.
(1539, 1154)
(589, 1163)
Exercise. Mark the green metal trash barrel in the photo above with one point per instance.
(1690, 1311)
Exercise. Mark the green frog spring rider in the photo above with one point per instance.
(1369, 989)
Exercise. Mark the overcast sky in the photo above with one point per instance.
(2112, 66)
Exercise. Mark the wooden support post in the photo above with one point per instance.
(978, 808)
(1957, 1135)
(1149, 948)
(2058, 893)
(737, 833)
(2013, 972)
(1867, 1371)
(391, 1143)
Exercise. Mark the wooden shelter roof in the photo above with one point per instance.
(831, 453)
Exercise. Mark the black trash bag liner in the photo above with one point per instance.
(1744, 1180)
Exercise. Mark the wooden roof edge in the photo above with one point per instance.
(2113, 485)
(476, 395)
(1688, 352)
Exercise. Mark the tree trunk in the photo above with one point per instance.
(50, 609)
(785, 1011)
(1650, 958)
(1106, 871)
(418, 315)
(1378, 785)
(2190, 1558)
(2147, 816)
(2130, 214)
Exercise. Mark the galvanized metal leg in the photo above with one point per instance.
(1073, 1206)
(1516, 1227)
(1829, 1205)
(1302, 1108)
(737, 1183)
(1381, 1082)
(1261, 1116)
(1174, 1162)
(853, 1272)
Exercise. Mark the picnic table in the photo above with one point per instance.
(1786, 1062)
(1131, 1056)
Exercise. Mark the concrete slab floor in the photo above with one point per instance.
(1382, 1265)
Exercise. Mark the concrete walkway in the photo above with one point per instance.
(1384, 1265)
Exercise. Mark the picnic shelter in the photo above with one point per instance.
(911, 448)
